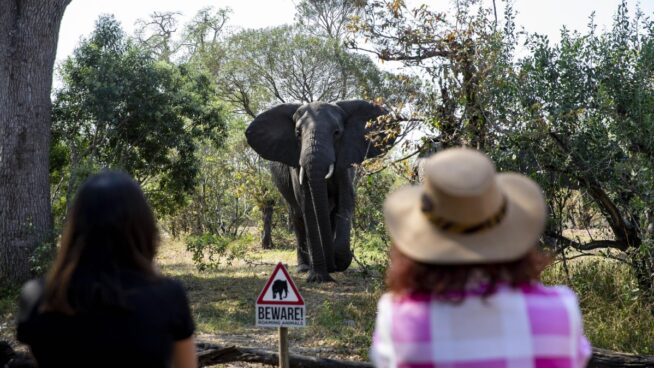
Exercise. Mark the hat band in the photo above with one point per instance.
(461, 228)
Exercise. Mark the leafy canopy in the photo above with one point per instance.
(121, 108)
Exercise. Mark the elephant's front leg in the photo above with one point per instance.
(303, 259)
(342, 220)
(319, 269)
(284, 178)
(342, 253)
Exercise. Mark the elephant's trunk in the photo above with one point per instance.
(316, 157)
(318, 191)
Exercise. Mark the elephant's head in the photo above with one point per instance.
(317, 133)
(319, 139)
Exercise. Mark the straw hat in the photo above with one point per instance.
(464, 212)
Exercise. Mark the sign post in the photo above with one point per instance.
(280, 305)
(283, 348)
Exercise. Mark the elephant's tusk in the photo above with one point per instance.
(301, 174)
(331, 171)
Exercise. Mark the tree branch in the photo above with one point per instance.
(624, 231)
(388, 56)
(558, 239)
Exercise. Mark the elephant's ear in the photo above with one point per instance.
(364, 136)
(272, 134)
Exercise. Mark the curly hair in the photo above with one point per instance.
(406, 275)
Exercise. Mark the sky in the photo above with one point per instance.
(540, 16)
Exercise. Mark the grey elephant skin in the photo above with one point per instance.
(278, 287)
(312, 148)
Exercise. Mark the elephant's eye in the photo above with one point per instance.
(298, 133)
(337, 133)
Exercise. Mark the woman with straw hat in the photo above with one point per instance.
(463, 278)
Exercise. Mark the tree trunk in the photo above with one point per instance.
(28, 44)
(267, 217)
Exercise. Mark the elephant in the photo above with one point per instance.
(278, 286)
(312, 148)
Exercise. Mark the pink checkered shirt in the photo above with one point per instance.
(532, 326)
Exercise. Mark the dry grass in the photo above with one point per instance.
(616, 314)
(340, 315)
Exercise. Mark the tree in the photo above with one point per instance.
(120, 108)
(233, 185)
(327, 18)
(276, 65)
(156, 33)
(462, 55)
(587, 122)
(576, 116)
(203, 33)
(257, 68)
(28, 43)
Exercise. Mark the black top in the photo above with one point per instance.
(141, 335)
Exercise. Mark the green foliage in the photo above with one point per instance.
(232, 186)
(370, 241)
(371, 252)
(8, 299)
(461, 57)
(584, 122)
(346, 324)
(120, 108)
(283, 237)
(577, 116)
(43, 256)
(156, 34)
(370, 196)
(616, 316)
(327, 18)
(210, 252)
(258, 67)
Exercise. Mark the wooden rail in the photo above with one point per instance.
(212, 354)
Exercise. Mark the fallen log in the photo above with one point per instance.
(212, 354)
(603, 358)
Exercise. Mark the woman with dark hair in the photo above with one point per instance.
(103, 303)
(464, 270)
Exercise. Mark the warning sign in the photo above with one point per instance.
(280, 303)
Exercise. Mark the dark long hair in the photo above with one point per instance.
(406, 276)
(110, 229)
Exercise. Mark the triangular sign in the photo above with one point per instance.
(280, 289)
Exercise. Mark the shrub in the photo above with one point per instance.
(211, 251)
(616, 315)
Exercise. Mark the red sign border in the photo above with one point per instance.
(270, 280)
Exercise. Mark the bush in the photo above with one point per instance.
(616, 316)
(371, 253)
(211, 251)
